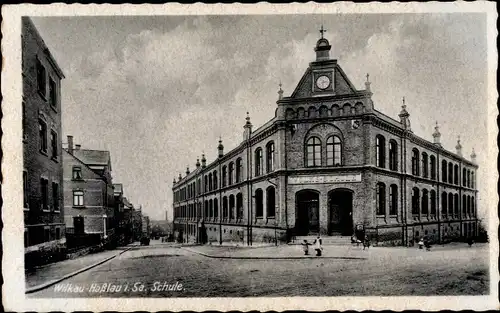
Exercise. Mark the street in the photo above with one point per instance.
(163, 270)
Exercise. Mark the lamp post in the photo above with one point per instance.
(104, 217)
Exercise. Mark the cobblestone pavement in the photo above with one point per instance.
(147, 271)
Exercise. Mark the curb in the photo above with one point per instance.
(55, 281)
(273, 258)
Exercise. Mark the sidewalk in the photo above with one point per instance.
(278, 252)
(50, 274)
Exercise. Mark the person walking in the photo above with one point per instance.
(318, 246)
(305, 247)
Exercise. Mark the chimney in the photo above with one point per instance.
(77, 147)
(70, 144)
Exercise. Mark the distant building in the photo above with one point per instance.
(88, 191)
(42, 147)
(330, 163)
(146, 225)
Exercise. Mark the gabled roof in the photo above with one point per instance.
(93, 157)
(118, 188)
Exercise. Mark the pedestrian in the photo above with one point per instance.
(366, 242)
(305, 247)
(421, 243)
(318, 246)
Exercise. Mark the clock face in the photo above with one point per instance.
(323, 82)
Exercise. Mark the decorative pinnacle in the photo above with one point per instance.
(367, 77)
(280, 92)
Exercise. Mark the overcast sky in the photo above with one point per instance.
(157, 91)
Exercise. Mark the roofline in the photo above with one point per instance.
(84, 164)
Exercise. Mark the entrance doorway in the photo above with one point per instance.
(307, 212)
(340, 207)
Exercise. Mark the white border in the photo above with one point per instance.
(13, 270)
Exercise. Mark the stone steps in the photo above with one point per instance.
(326, 240)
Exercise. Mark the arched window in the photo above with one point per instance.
(380, 150)
(415, 163)
(259, 204)
(210, 182)
(224, 208)
(433, 167)
(425, 201)
(380, 199)
(433, 202)
(472, 182)
(444, 168)
(455, 205)
(468, 178)
(455, 174)
(472, 207)
(258, 162)
(450, 204)
(210, 208)
(450, 173)
(464, 205)
(224, 176)
(205, 179)
(270, 157)
(468, 205)
(313, 152)
(216, 185)
(206, 209)
(444, 204)
(393, 200)
(425, 168)
(333, 151)
(231, 207)
(393, 155)
(239, 170)
(230, 174)
(239, 206)
(464, 177)
(415, 201)
(271, 202)
(216, 208)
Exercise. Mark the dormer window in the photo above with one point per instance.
(77, 172)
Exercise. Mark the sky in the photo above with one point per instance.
(158, 91)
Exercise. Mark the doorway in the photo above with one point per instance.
(307, 212)
(340, 207)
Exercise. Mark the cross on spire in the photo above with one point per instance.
(322, 31)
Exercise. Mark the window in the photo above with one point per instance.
(472, 207)
(425, 202)
(41, 78)
(258, 162)
(58, 233)
(44, 185)
(468, 178)
(464, 202)
(444, 203)
(224, 176)
(259, 205)
(216, 208)
(25, 190)
(239, 206)
(210, 185)
(46, 234)
(333, 151)
(472, 183)
(270, 157)
(313, 152)
(455, 174)
(380, 147)
(425, 169)
(450, 204)
(211, 208)
(216, 185)
(433, 202)
(42, 135)
(380, 199)
(455, 203)
(206, 209)
(205, 179)
(55, 196)
(393, 155)
(239, 170)
(271, 202)
(468, 205)
(415, 163)
(464, 177)
(53, 144)
(433, 167)
(231, 173)
(224, 207)
(393, 200)
(415, 201)
(231, 207)
(53, 93)
(450, 173)
(444, 177)
(77, 198)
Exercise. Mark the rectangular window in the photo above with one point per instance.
(77, 172)
(55, 196)
(25, 190)
(58, 233)
(53, 144)
(46, 234)
(77, 198)
(42, 134)
(41, 78)
(53, 93)
(44, 185)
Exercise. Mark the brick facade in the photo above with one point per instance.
(338, 165)
(43, 172)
